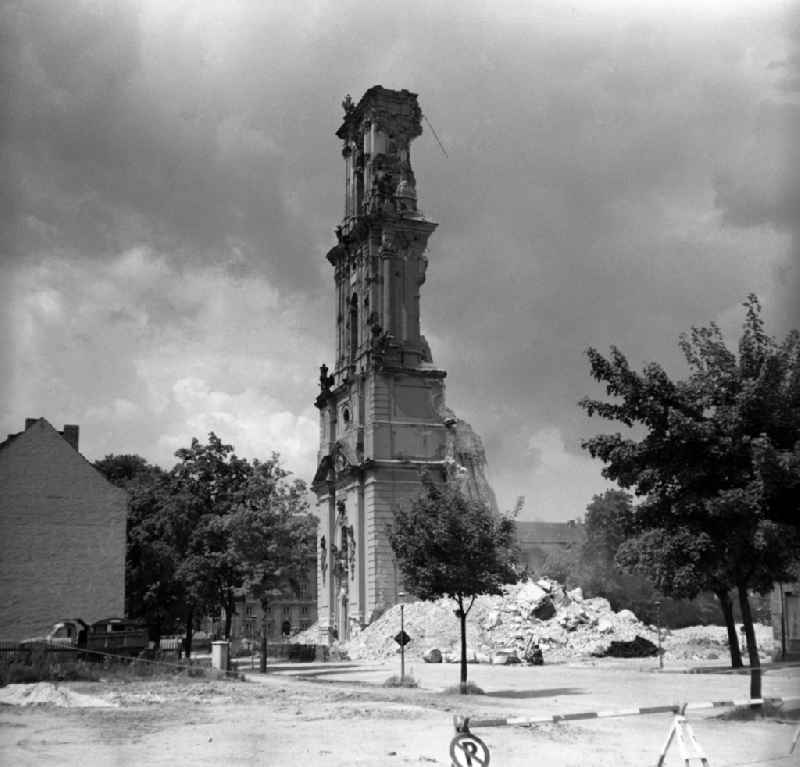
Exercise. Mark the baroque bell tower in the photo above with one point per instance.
(382, 416)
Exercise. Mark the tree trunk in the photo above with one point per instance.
(752, 648)
(189, 631)
(263, 664)
(726, 605)
(462, 616)
(155, 632)
(229, 607)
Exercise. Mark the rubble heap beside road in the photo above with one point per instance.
(566, 626)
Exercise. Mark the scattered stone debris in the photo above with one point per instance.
(564, 625)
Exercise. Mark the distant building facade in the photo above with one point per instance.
(286, 615)
(62, 533)
(537, 540)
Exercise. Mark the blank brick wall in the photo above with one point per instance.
(62, 536)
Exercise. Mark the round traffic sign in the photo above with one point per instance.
(468, 750)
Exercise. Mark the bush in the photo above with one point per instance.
(396, 681)
(302, 652)
(766, 710)
(471, 689)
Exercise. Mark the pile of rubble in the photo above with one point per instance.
(564, 624)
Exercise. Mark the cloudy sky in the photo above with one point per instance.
(615, 173)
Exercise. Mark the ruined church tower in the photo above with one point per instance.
(382, 415)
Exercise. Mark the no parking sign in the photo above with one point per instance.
(468, 750)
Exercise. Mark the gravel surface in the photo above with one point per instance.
(283, 722)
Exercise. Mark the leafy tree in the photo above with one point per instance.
(564, 565)
(202, 534)
(152, 592)
(596, 567)
(679, 562)
(448, 544)
(124, 469)
(272, 535)
(608, 523)
(210, 483)
(714, 463)
(252, 532)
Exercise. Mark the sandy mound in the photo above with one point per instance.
(49, 694)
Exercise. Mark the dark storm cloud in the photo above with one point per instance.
(173, 182)
(762, 187)
(106, 154)
(579, 219)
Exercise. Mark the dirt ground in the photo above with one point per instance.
(338, 714)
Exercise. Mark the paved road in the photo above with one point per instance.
(561, 688)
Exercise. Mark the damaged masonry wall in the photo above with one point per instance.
(466, 459)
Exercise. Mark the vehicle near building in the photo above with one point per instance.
(115, 636)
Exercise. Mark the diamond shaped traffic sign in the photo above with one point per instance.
(402, 638)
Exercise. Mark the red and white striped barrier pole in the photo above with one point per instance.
(463, 724)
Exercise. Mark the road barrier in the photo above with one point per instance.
(467, 750)
(464, 723)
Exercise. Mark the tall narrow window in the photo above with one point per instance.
(359, 201)
(348, 173)
(353, 326)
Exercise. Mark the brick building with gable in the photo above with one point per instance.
(62, 533)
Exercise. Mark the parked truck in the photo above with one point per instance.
(115, 636)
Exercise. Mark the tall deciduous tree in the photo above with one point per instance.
(272, 535)
(448, 544)
(152, 592)
(608, 523)
(210, 482)
(714, 462)
(210, 529)
(609, 517)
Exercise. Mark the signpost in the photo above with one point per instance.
(402, 639)
(658, 621)
(468, 750)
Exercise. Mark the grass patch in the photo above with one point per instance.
(766, 710)
(396, 681)
(40, 666)
(471, 689)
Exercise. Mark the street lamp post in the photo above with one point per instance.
(400, 596)
(262, 666)
(658, 625)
